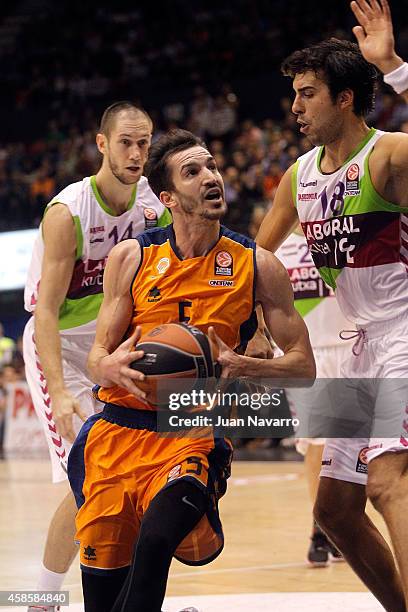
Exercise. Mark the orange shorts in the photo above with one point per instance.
(118, 464)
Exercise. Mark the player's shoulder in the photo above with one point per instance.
(154, 236)
(123, 250)
(72, 193)
(229, 234)
(389, 140)
(145, 195)
(268, 263)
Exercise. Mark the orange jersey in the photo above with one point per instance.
(217, 289)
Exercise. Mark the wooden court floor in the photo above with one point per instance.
(266, 515)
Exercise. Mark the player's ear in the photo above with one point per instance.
(101, 143)
(166, 198)
(346, 98)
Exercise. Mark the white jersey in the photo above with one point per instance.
(314, 300)
(358, 240)
(98, 229)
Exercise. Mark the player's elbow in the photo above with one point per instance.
(308, 369)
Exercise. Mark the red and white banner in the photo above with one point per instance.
(23, 430)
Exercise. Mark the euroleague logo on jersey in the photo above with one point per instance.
(362, 461)
(223, 264)
(352, 180)
(150, 217)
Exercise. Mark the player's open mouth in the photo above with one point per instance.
(303, 126)
(213, 194)
(133, 168)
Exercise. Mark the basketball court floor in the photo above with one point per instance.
(266, 515)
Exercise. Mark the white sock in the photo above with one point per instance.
(50, 581)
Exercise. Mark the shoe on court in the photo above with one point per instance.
(318, 553)
(44, 609)
(334, 553)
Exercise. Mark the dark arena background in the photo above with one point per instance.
(212, 68)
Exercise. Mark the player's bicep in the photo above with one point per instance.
(281, 218)
(116, 310)
(59, 257)
(274, 292)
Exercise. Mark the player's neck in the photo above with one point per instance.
(195, 239)
(336, 153)
(114, 194)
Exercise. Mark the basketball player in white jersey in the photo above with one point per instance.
(350, 194)
(316, 303)
(64, 291)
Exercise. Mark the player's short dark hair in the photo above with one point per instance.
(342, 66)
(156, 169)
(110, 113)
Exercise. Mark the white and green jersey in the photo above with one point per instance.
(314, 300)
(98, 229)
(358, 240)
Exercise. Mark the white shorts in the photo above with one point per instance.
(377, 379)
(329, 361)
(75, 351)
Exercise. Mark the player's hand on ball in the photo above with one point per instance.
(259, 346)
(232, 364)
(116, 366)
(64, 406)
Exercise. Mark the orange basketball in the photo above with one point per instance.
(176, 356)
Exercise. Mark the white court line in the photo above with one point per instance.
(243, 481)
(249, 568)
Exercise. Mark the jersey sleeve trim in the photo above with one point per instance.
(293, 181)
(165, 218)
(79, 237)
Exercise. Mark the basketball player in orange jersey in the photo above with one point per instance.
(133, 486)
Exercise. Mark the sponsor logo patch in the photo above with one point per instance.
(163, 265)
(327, 462)
(221, 283)
(309, 184)
(154, 295)
(89, 553)
(306, 197)
(223, 264)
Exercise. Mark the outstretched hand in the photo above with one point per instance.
(375, 35)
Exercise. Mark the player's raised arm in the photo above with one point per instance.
(375, 38)
(109, 358)
(281, 218)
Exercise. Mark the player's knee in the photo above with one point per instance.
(154, 539)
(332, 520)
(382, 489)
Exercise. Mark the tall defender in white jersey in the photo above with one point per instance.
(64, 292)
(315, 302)
(351, 195)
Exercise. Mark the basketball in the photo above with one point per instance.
(177, 353)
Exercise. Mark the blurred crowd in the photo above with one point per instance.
(252, 155)
(206, 67)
